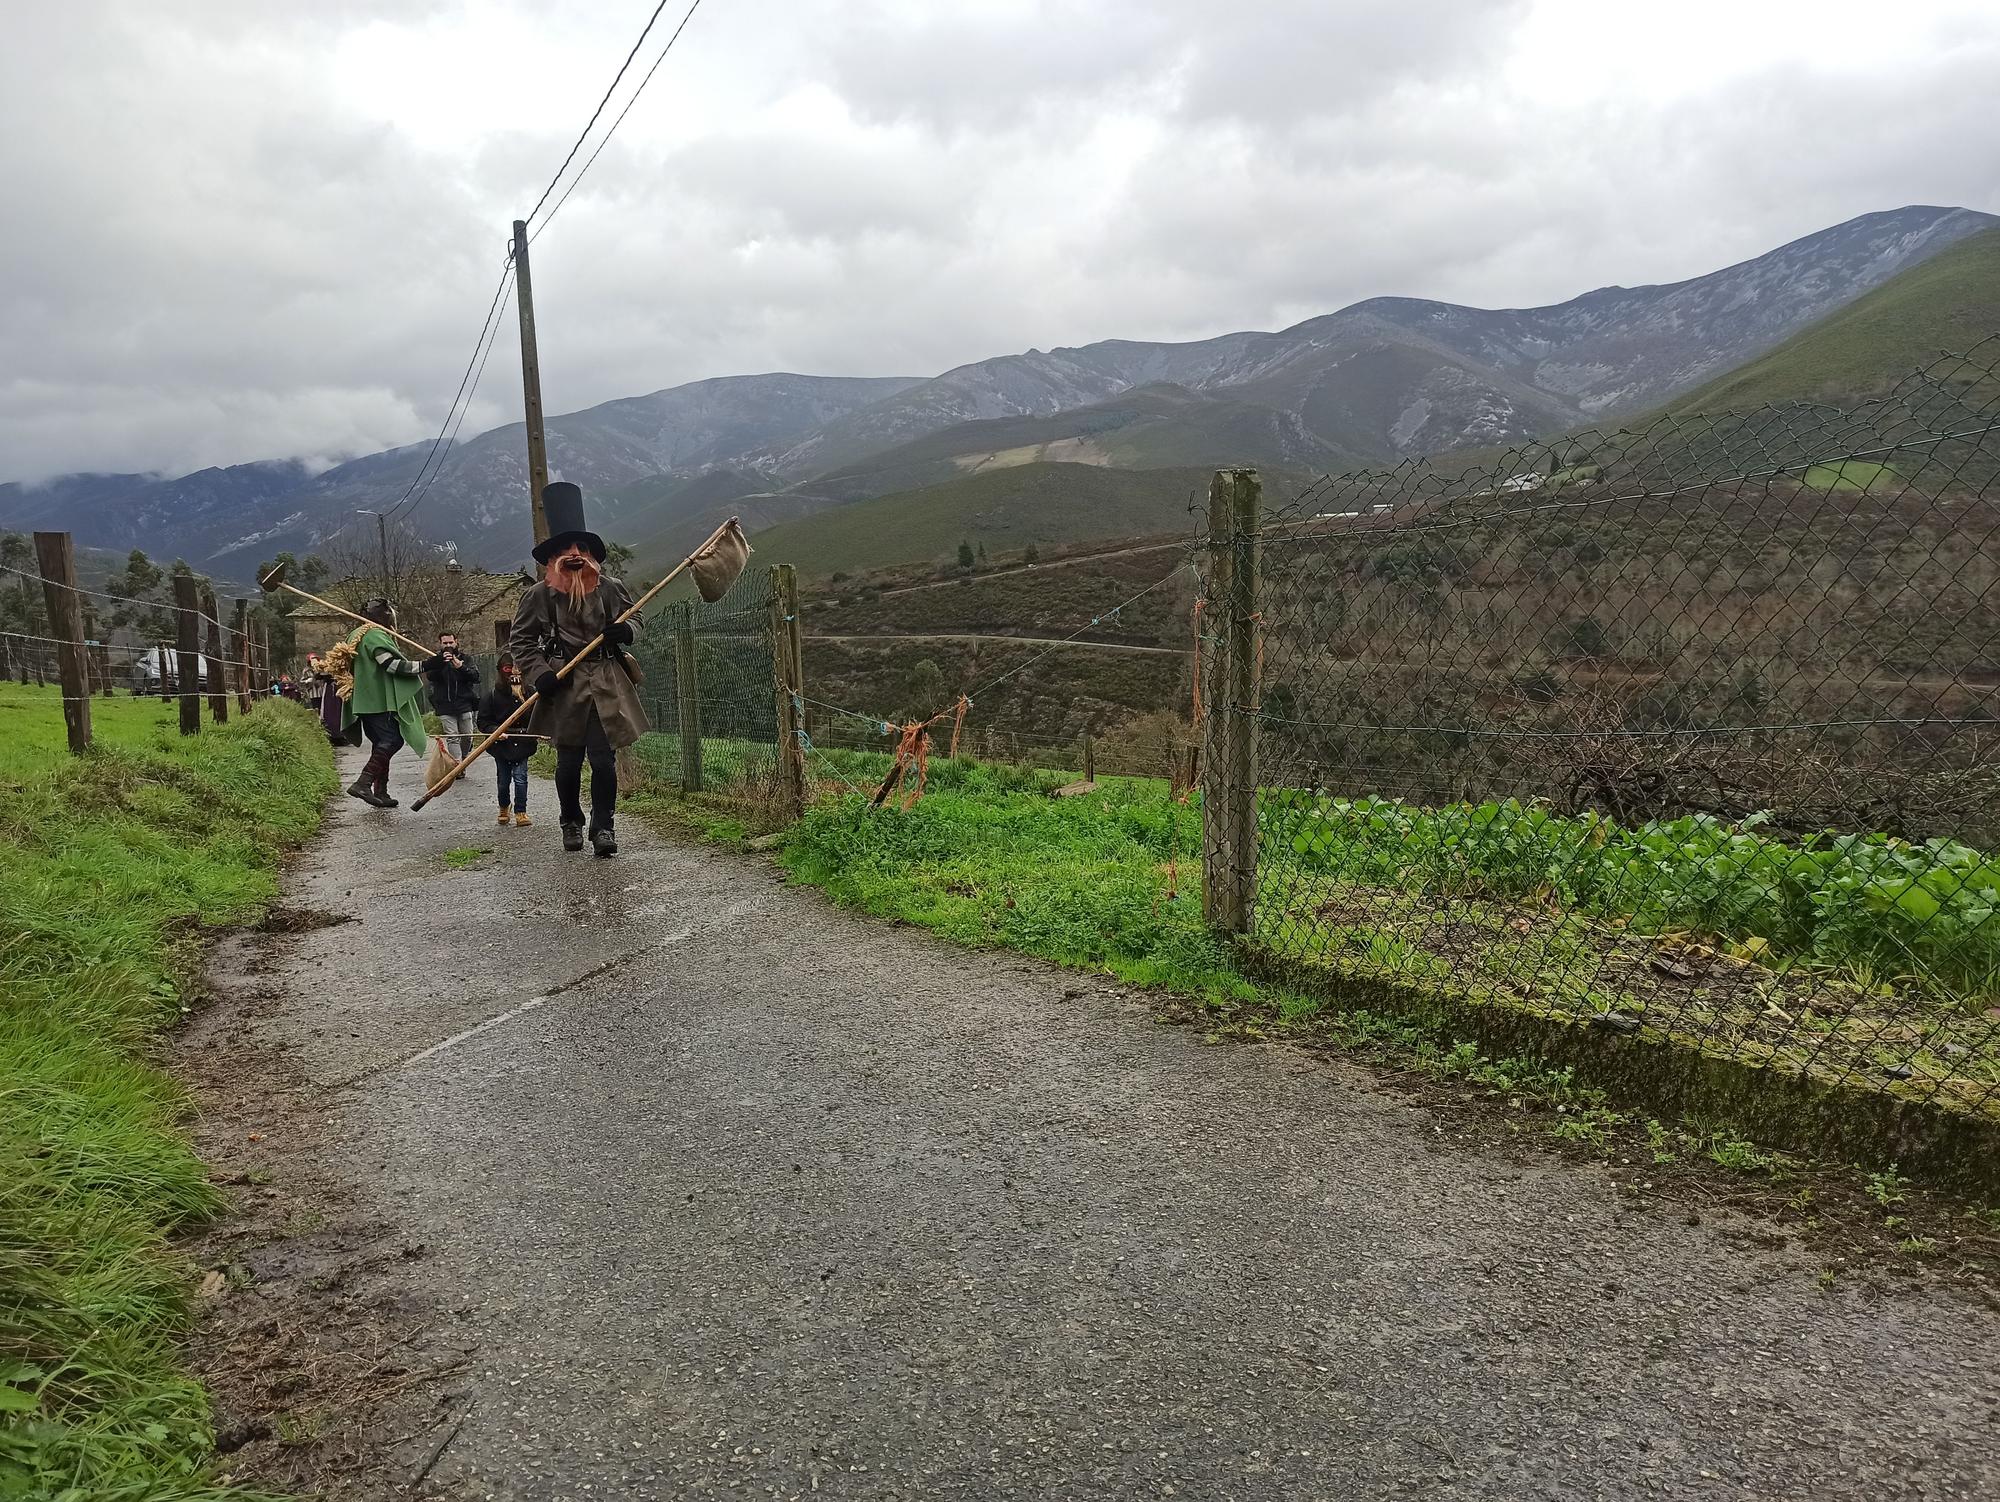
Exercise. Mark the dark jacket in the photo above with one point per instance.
(599, 682)
(493, 711)
(453, 690)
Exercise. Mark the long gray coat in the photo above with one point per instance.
(602, 682)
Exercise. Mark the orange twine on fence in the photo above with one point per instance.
(957, 725)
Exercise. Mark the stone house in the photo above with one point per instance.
(476, 605)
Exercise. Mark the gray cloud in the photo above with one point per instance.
(247, 231)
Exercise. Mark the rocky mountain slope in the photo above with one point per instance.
(1374, 382)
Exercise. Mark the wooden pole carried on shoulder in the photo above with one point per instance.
(726, 548)
(276, 580)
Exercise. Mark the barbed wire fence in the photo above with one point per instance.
(1691, 733)
(206, 658)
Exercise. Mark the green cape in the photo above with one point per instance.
(377, 691)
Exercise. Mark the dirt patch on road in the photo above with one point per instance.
(332, 1370)
(300, 920)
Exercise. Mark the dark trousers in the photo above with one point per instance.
(603, 760)
(512, 776)
(385, 739)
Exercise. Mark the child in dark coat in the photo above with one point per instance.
(510, 756)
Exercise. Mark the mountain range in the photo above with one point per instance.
(1377, 381)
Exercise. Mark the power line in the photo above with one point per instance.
(475, 367)
(490, 326)
(606, 140)
(594, 114)
(491, 336)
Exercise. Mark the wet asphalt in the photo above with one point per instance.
(744, 1196)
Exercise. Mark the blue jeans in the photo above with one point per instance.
(512, 774)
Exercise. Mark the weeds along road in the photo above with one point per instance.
(735, 1194)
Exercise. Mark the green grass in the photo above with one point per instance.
(112, 868)
(1853, 476)
(1948, 302)
(465, 855)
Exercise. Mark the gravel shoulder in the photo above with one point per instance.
(656, 1177)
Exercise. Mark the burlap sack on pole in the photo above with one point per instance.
(439, 764)
(721, 559)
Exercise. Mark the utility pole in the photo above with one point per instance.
(531, 383)
(382, 536)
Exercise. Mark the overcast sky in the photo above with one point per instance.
(242, 229)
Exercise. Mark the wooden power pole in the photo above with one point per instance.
(531, 383)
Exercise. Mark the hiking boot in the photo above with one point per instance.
(604, 840)
(366, 793)
(572, 837)
(503, 816)
(521, 820)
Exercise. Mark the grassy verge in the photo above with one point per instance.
(112, 867)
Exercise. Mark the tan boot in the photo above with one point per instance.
(503, 816)
(522, 821)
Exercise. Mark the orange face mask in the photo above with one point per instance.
(572, 572)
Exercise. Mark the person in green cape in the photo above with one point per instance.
(387, 700)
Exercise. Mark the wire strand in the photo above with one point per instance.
(594, 114)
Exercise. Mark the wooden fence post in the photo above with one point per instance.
(57, 560)
(166, 680)
(1089, 758)
(260, 657)
(788, 669)
(1231, 691)
(187, 642)
(218, 683)
(687, 690)
(239, 649)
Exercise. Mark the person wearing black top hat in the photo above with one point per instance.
(595, 710)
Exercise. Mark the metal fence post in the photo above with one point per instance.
(56, 559)
(687, 691)
(787, 667)
(1231, 688)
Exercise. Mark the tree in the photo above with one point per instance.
(144, 609)
(982, 552)
(927, 691)
(23, 609)
(1029, 554)
(965, 555)
(424, 582)
(308, 573)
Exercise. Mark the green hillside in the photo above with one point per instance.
(1949, 302)
(1150, 427)
(1004, 510)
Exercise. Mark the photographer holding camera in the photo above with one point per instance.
(454, 686)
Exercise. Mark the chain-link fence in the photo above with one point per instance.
(709, 692)
(1692, 733)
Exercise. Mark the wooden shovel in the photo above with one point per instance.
(716, 563)
(276, 580)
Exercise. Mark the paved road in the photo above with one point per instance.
(745, 1196)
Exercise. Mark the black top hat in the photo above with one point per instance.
(562, 504)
